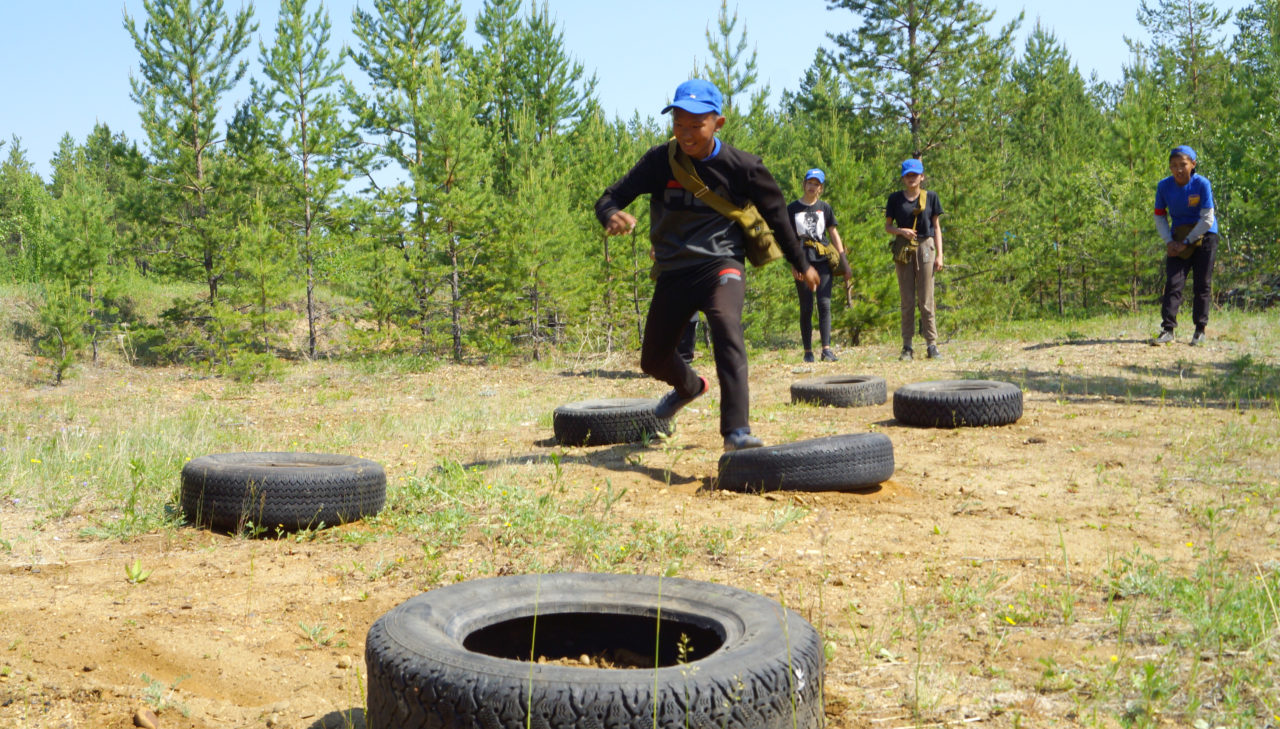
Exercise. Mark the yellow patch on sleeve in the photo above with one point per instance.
(1193, 200)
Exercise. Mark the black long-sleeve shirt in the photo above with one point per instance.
(684, 230)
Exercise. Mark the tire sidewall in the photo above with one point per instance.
(757, 634)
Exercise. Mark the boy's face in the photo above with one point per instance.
(812, 187)
(1181, 167)
(695, 133)
(911, 180)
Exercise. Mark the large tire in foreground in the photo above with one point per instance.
(957, 403)
(287, 491)
(602, 422)
(834, 463)
(458, 657)
(842, 391)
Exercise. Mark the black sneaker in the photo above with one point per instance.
(1165, 337)
(907, 355)
(741, 439)
(671, 403)
(932, 352)
(808, 356)
(828, 355)
(1197, 339)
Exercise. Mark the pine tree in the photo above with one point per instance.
(1059, 207)
(82, 247)
(455, 171)
(526, 72)
(533, 227)
(66, 158)
(498, 64)
(1140, 154)
(1186, 46)
(926, 59)
(552, 85)
(24, 216)
(260, 290)
(301, 105)
(412, 51)
(115, 163)
(730, 69)
(189, 51)
(64, 318)
(1246, 173)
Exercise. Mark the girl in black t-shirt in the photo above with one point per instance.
(909, 219)
(815, 223)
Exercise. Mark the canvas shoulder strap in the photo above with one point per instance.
(682, 168)
(921, 202)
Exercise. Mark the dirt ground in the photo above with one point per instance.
(1107, 459)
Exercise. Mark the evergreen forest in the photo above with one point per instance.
(425, 194)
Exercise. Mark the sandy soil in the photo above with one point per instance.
(1105, 461)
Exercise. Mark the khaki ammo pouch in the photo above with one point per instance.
(762, 247)
(904, 250)
(830, 253)
(1180, 233)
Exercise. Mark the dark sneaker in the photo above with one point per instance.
(1165, 337)
(671, 403)
(907, 355)
(1197, 339)
(828, 355)
(932, 352)
(741, 439)
(808, 356)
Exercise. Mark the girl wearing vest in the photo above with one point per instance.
(911, 217)
(816, 223)
(1186, 222)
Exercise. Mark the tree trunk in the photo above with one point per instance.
(1133, 283)
(635, 288)
(1060, 309)
(455, 300)
(307, 253)
(608, 298)
(534, 326)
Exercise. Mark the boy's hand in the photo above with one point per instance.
(811, 279)
(620, 223)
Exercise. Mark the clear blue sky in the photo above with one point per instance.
(67, 62)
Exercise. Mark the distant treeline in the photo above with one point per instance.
(416, 194)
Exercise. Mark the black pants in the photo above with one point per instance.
(688, 340)
(823, 295)
(715, 288)
(1200, 266)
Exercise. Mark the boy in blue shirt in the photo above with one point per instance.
(1186, 222)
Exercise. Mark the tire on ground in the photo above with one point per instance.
(834, 463)
(842, 391)
(957, 403)
(288, 491)
(602, 422)
(459, 657)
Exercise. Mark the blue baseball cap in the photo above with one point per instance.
(1183, 150)
(912, 165)
(815, 174)
(696, 97)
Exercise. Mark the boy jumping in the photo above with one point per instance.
(700, 254)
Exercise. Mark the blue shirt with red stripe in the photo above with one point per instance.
(1183, 203)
